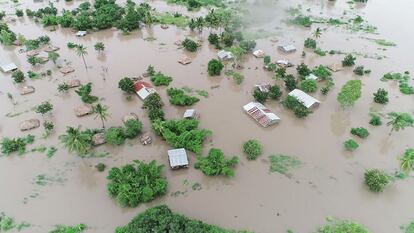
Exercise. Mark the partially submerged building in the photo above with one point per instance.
(143, 89)
(263, 87)
(8, 67)
(225, 55)
(313, 77)
(81, 33)
(259, 53)
(289, 48)
(284, 63)
(306, 99)
(261, 114)
(178, 158)
(190, 114)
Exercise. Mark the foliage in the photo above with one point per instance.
(403, 81)
(349, 60)
(238, 78)
(213, 38)
(63, 87)
(376, 180)
(342, 226)
(260, 96)
(283, 163)
(383, 42)
(100, 167)
(381, 96)
(18, 76)
(214, 67)
(115, 136)
(310, 43)
(84, 92)
(99, 46)
(33, 60)
(350, 92)
(360, 132)
(360, 70)
(253, 149)
(294, 104)
(101, 112)
(407, 160)
(162, 219)
(301, 20)
(303, 70)
(53, 56)
(18, 145)
(247, 45)
(399, 120)
(308, 85)
(132, 128)
(216, 164)
(44, 108)
(69, 229)
(275, 92)
(127, 85)
(351, 145)
(290, 82)
(190, 45)
(160, 79)
(178, 97)
(321, 72)
(77, 141)
(266, 59)
(136, 183)
(375, 120)
(153, 104)
(319, 51)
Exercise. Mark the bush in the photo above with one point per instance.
(115, 136)
(44, 108)
(84, 92)
(178, 97)
(303, 70)
(132, 128)
(321, 72)
(266, 59)
(160, 79)
(213, 38)
(360, 132)
(214, 67)
(342, 226)
(308, 85)
(154, 105)
(350, 145)
(381, 96)
(349, 60)
(294, 104)
(190, 45)
(127, 85)
(216, 164)
(248, 45)
(260, 96)
(238, 78)
(350, 92)
(360, 70)
(136, 183)
(376, 180)
(100, 167)
(19, 13)
(290, 82)
(18, 76)
(9, 146)
(375, 120)
(253, 149)
(310, 43)
(275, 92)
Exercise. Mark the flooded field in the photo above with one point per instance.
(329, 181)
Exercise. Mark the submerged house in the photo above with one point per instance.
(190, 114)
(261, 114)
(178, 158)
(81, 33)
(143, 89)
(263, 87)
(284, 63)
(259, 53)
(313, 77)
(289, 48)
(306, 99)
(224, 55)
(8, 67)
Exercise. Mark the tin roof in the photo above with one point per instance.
(177, 157)
(8, 67)
(306, 99)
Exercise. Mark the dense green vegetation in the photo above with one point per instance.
(381, 96)
(84, 92)
(342, 226)
(310, 43)
(350, 93)
(160, 79)
(260, 96)
(360, 70)
(162, 219)
(360, 132)
(127, 85)
(351, 145)
(44, 108)
(290, 82)
(407, 160)
(136, 183)
(190, 45)
(403, 79)
(69, 229)
(375, 120)
(77, 141)
(214, 67)
(115, 136)
(349, 60)
(180, 98)
(399, 121)
(376, 180)
(18, 76)
(10, 145)
(308, 85)
(215, 163)
(294, 104)
(153, 104)
(253, 149)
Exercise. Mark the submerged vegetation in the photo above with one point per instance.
(215, 163)
(342, 226)
(283, 164)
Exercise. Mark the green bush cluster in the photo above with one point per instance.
(214, 67)
(127, 85)
(360, 70)
(190, 45)
(180, 98)
(117, 135)
(153, 104)
(160, 79)
(310, 43)
(403, 79)
(342, 226)
(349, 60)
(298, 108)
(350, 93)
(10, 145)
(18, 76)
(84, 92)
(360, 132)
(351, 145)
(381, 96)
(308, 85)
(375, 120)
(253, 149)
(215, 163)
(376, 180)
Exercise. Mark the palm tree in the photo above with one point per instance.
(99, 46)
(53, 56)
(81, 52)
(407, 160)
(101, 112)
(76, 141)
(317, 33)
(399, 120)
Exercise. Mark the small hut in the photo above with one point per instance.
(190, 114)
(143, 89)
(8, 67)
(259, 53)
(289, 48)
(307, 100)
(224, 55)
(178, 158)
(81, 33)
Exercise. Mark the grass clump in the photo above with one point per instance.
(10, 145)
(283, 163)
(215, 164)
(342, 226)
(376, 180)
(360, 132)
(386, 43)
(375, 120)
(69, 229)
(350, 145)
(350, 93)
(172, 19)
(253, 149)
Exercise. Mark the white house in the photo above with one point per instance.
(284, 63)
(178, 158)
(261, 114)
(289, 48)
(190, 114)
(306, 99)
(224, 55)
(8, 67)
(143, 89)
(259, 53)
(313, 77)
(81, 33)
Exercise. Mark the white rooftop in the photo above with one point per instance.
(261, 114)
(177, 157)
(313, 77)
(8, 67)
(289, 48)
(306, 99)
(258, 53)
(81, 33)
(189, 113)
(224, 55)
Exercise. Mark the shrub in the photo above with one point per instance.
(115, 136)
(238, 78)
(100, 167)
(9, 146)
(44, 108)
(266, 60)
(178, 97)
(213, 38)
(351, 145)
(99, 46)
(294, 104)
(360, 132)
(136, 183)
(63, 87)
(303, 70)
(84, 92)
(190, 45)
(301, 20)
(260, 96)
(360, 70)
(19, 13)
(290, 82)
(160, 79)
(132, 128)
(407, 160)
(69, 229)
(381, 96)
(310, 43)
(350, 92)
(127, 85)
(18, 76)
(308, 85)
(216, 164)
(275, 92)
(375, 120)
(376, 180)
(342, 226)
(320, 52)
(248, 45)
(349, 60)
(253, 149)
(214, 67)
(321, 72)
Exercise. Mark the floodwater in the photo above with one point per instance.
(328, 183)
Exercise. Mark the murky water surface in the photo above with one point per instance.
(328, 183)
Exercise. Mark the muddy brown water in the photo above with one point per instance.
(328, 183)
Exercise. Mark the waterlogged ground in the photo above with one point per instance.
(329, 182)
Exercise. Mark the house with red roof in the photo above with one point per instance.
(143, 89)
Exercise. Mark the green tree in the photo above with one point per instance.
(351, 145)
(349, 60)
(115, 136)
(407, 160)
(127, 85)
(399, 121)
(99, 46)
(308, 85)
(132, 128)
(303, 70)
(310, 43)
(376, 180)
(18, 76)
(44, 108)
(101, 112)
(290, 82)
(317, 33)
(253, 149)
(190, 45)
(360, 132)
(214, 67)
(53, 56)
(381, 96)
(76, 141)
(84, 92)
(275, 92)
(260, 96)
(350, 92)
(81, 52)
(216, 164)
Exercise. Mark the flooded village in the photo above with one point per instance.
(206, 116)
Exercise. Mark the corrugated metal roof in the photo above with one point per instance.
(189, 113)
(177, 157)
(306, 99)
(8, 67)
